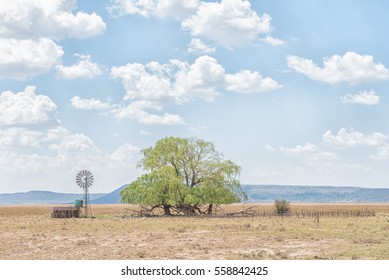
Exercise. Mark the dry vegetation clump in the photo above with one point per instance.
(28, 232)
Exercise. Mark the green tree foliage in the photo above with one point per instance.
(184, 174)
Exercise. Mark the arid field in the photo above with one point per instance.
(28, 232)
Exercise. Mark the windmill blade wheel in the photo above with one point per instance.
(84, 179)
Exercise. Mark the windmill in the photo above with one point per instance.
(84, 180)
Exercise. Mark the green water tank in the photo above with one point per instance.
(78, 203)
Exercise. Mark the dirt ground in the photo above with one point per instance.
(28, 232)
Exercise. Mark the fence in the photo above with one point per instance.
(300, 214)
(249, 212)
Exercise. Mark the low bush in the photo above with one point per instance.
(282, 207)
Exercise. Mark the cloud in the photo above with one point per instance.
(137, 110)
(358, 168)
(43, 139)
(197, 45)
(181, 82)
(353, 138)
(26, 107)
(382, 153)
(30, 155)
(123, 155)
(150, 81)
(19, 136)
(15, 164)
(231, 23)
(272, 41)
(200, 79)
(198, 128)
(22, 59)
(364, 97)
(250, 82)
(75, 151)
(144, 132)
(85, 69)
(269, 148)
(177, 9)
(150, 86)
(50, 19)
(27, 31)
(30, 136)
(54, 133)
(309, 152)
(259, 174)
(89, 104)
(351, 68)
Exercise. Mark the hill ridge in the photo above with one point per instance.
(256, 193)
(41, 197)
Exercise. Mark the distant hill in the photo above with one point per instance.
(315, 194)
(41, 197)
(110, 198)
(303, 194)
(256, 193)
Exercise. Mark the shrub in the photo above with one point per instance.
(282, 207)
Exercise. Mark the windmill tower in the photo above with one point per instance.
(84, 180)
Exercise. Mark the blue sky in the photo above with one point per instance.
(295, 92)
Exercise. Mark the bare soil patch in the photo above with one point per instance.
(28, 232)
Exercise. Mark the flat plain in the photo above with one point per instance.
(28, 233)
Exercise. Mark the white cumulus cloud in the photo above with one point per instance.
(249, 82)
(124, 154)
(200, 79)
(89, 104)
(26, 107)
(144, 132)
(25, 58)
(309, 152)
(351, 67)
(138, 110)
(151, 85)
(19, 136)
(382, 153)
(15, 164)
(74, 143)
(181, 81)
(27, 31)
(148, 81)
(231, 23)
(85, 69)
(272, 41)
(345, 138)
(270, 148)
(51, 19)
(364, 97)
(197, 45)
(31, 154)
(177, 9)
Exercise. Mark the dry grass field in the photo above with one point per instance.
(28, 232)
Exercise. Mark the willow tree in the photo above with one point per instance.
(184, 174)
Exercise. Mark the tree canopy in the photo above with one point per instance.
(184, 174)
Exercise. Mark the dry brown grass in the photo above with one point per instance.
(28, 232)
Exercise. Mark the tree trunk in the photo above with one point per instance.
(210, 209)
(166, 210)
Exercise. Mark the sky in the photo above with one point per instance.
(294, 92)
